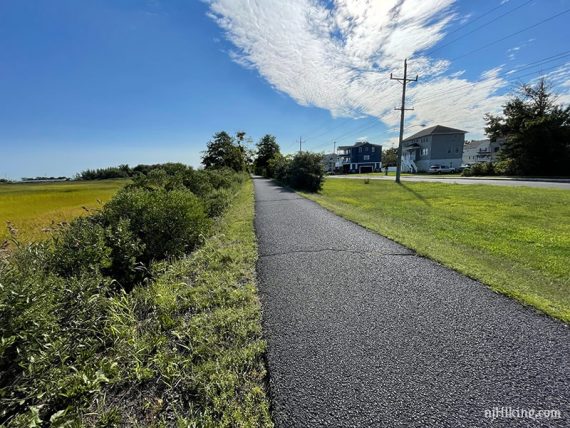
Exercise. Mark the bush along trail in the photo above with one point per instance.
(144, 313)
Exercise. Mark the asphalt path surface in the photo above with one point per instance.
(511, 182)
(363, 333)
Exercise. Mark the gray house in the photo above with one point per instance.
(330, 162)
(482, 150)
(437, 145)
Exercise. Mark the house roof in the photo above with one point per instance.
(435, 130)
(475, 144)
(358, 144)
(413, 146)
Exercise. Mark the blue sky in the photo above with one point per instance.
(87, 84)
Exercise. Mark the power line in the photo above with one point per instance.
(323, 124)
(431, 51)
(350, 132)
(483, 83)
(424, 100)
(336, 126)
(533, 64)
(478, 18)
(458, 116)
(357, 130)
(522, 30)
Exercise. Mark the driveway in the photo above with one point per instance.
(363, 333)
(498, 181)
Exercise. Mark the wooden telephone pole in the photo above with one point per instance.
(403, 80)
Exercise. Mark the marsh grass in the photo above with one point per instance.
(34, 209)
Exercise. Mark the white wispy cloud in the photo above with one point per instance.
(338, 54)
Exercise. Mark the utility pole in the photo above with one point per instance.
(335, 157)
(403, 80)
(300, 145)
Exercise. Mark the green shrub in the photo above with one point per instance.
(305, 172)
(218, 201)
(279, 165)
(224, 178)
(168, 223)
(127, 252)
(487, 168)
(156, 179)
(198, 182)
(506, 167)
(474, 170)
(51, 329)
(503, 167)
(80, 248)
(75, 351)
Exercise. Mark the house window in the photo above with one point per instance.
(373, 148)
(366, 148)
(366, 157)
(360, 149)
(425, 152)
(457, 150)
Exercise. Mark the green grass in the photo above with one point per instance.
(182, 349)
(515, 240)
(33, 208)
(404, 174)
(196, 356)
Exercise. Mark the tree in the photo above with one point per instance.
(306, 172)
(267, 149)
(536, 132)
(223, 151)
(390, 156)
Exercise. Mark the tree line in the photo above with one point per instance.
(303, 171)
(536, 131)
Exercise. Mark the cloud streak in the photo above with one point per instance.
(337, 55)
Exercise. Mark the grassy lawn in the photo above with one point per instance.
(32, 207)
(406, 174)
(516, 240)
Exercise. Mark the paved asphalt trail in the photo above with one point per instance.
(563, 185)
(363, 333)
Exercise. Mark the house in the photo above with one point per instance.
(476, 151)
(437, 145)
(361, 157)
(330, 162)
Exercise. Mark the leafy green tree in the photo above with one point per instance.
(223, 151)
(306, 172)
(279, 166)
(267, 149)
(536, 130)
(390, 156)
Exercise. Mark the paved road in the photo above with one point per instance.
(363, 333)
(493, 182)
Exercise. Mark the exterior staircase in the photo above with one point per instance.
(409, 165)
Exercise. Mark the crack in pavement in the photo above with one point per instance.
(278, 200)
(338, 250)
